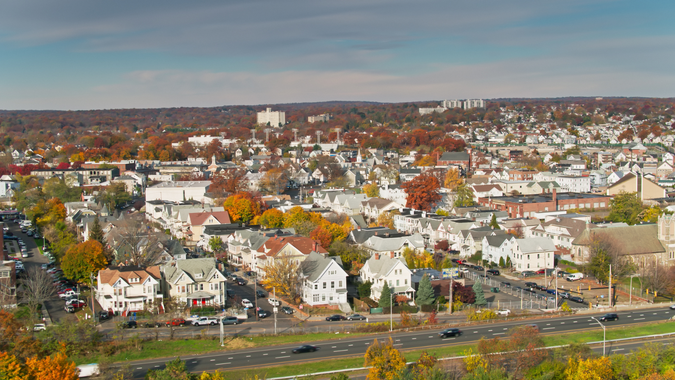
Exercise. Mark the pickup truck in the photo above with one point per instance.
(69, 293)
(205, 321)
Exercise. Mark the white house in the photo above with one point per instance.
(195, 282)
(324, 281)
(574, 184)
(178, 191)
(385, 268)
(395, 244)
(128, 289)
(533, 254)
(498, 248)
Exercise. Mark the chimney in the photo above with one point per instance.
(375, 233)
(391, 254)
(316, 247)
(377, 256)
(555, 198)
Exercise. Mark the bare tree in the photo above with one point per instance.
(605, 251)
(35, 288)
(657, 277)
(135, 242)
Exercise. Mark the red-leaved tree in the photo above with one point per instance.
(422, 192)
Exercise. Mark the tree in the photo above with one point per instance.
(517, 354)
(216, 244)
(385, 360)
(272, 218)
(364, 289)
(231, 181)
(422, 192)
(502, 264)
(96, 233)
(56, 367)
(323, 235)
(282, 274)
(242, 207)
(625, 207)
(605, 251)
(35, 288)
(651, 214)
(452, 179)
(135, 242)
(493, 222)
(464, 196)
(175, 370)
(82, 260)
(480, 296)
(425, 293)
(386, 219)
(463, 294)
(274, 181)
(114, 195)
(385, 296)
(372, 190)
(352, 257)
(599, 368)
(10, 368)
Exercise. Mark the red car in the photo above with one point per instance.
(541, 271)
(78, 304)
(176, 322)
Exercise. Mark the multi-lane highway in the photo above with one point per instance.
(427, 339)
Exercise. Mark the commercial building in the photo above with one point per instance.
(273, 118)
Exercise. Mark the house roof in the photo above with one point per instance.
(382, 243)
(198, 218)
(454, 156)
(379, 203)
(315, 264)
(535, 245)
(303, 244)
(634, 240)
(381, 266)
(111, 275)
(191, 267)
(484, 188)
(361, 235)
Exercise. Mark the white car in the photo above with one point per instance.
(503, 312)
(39, 327)
(24, 254)
(274, 301)
(246, 303)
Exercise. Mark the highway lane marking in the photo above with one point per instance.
(340, 350)
(139, 368)
(638, 319)
(617, 349)
(334, 347)
(282, 352)
(575, 321)
(351, 345)
(398, 344)
(490, 330)
(282, 357)
(265, 354)
(213, 360)
(654, 313)
(248, 356)
(498, 333)
(222, 363)
(233, 358)
(431, 336)
(475, 332)
(562, 323)
(194, 362)
(548, 328)
(414, 338)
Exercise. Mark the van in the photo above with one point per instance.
(575, 276)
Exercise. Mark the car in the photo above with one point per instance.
(69, 293)
(478, 268)
(37, 236)
(506, 284)
(274, 301)
(176, 322)
(39, 327)
(357, 317)
(305, 348)
(577, 299)
(564, 295)
(24, 254)
(263, 314)
(532, 326)
(335, 317)
(229, 321)
(259, 293)
(449, 332)
(503, 312)
(672, 307)
(517, 289)
(527, 273)
(77, 303)
(246, 303)
(531, 284)
(609, 317)
(69, 309)
(103, 315)
(551, 291)
(29, 233)
(129, 325)
(287, 310)
(241, 282)
(204, 321)
(540, 271)
(44, 266)
(493, 272)
(151, 324)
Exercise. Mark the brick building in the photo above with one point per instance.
(524, 206)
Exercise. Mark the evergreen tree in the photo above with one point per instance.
(385, 297)
(493, 222)
(508, 261)
(96, 232)
(480, 296)
(425, 293)
(501, 262)
(364, 289)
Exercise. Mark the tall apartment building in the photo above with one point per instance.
(452, 103)
(324, 117)
(474, 103)
(274, 118)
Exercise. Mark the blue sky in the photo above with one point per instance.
(83, 54)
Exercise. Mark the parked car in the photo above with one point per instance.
(577, 299)
(531, 284)
(527, 273)
(39, 327)
(77, 303)
(287, 310)
(68, 293)
(263, 314)
(241, 282)
(503, 312)
(230, 321)
(672, 307)
(69, 309)
(305, 348)
(129, 325)
(506, 284)
(205, 321)
(564, 295)
(609, 317)
(246, 303)
(357, 317)
(540, 271)
(551, 291)
(478, 268)
(449, 332)
(103, 315)
(274, 301)
(335, 317)
(493, 272)
(259, 293)
(176, 322)
(574, 277)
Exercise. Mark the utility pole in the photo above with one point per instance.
(610, 287)
(255, 294)
(556, 288)
(275, 311)
(93, 305)
(451, 299)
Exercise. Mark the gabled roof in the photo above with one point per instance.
(379, 203)
(111, 275)
(361, 235)
(634, 240)
(382, 266)
(191, 267)
(535, 245)
(497, 240)
(198, 218)
(382, 243)
(303, 244)
(315, 265)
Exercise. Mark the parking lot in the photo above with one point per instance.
(239, 292)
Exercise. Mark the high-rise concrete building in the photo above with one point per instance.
(474, 103)
(452, 103)
(274, 118)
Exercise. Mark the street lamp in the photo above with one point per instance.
(604, 335)
(391, 312)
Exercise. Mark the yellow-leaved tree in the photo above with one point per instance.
(282, 275)
(372, 190)
(385, 360)
(55, 367)
(452, 179)
(82, 260)
(599, 368)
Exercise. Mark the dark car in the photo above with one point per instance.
(609, 317)
(563, 274)
(450, 332)
(335, 317)
(527, 273)
(493, 272)
(577, 299)
(260, 294)
(241, 282)
(478, 267)
(506, 284)
(305, 348)
(69, 309)
(263, 314)
(551, 291)
(129, 325)
(531, 284)
(540, 287)
(356, 317)
(103, 315)
(151, 324)
(287, 310)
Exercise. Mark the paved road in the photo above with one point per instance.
(282, 355)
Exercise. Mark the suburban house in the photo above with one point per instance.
(373, 207)
(127, 289)
(386, 268)
(394, 244)
(533, 254)
(197, 221)
(324, 281)
(195, 282)
(498, 248)
(296, 248)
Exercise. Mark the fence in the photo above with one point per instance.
(636, 292)
(528, 300)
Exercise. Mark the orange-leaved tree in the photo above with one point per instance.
(422, 192)
(243, 207)
(83, 259)
(55, 367)
(385, 360)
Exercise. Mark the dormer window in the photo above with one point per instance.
(134, 280)
(198, 275)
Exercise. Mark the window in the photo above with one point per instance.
(340, 283)
(323, 297)
(332, 284)
(397, 282)
(198, 275)
(316, 287)
(315, 298)
(324, 285)
(405, 281)
(201, 286)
